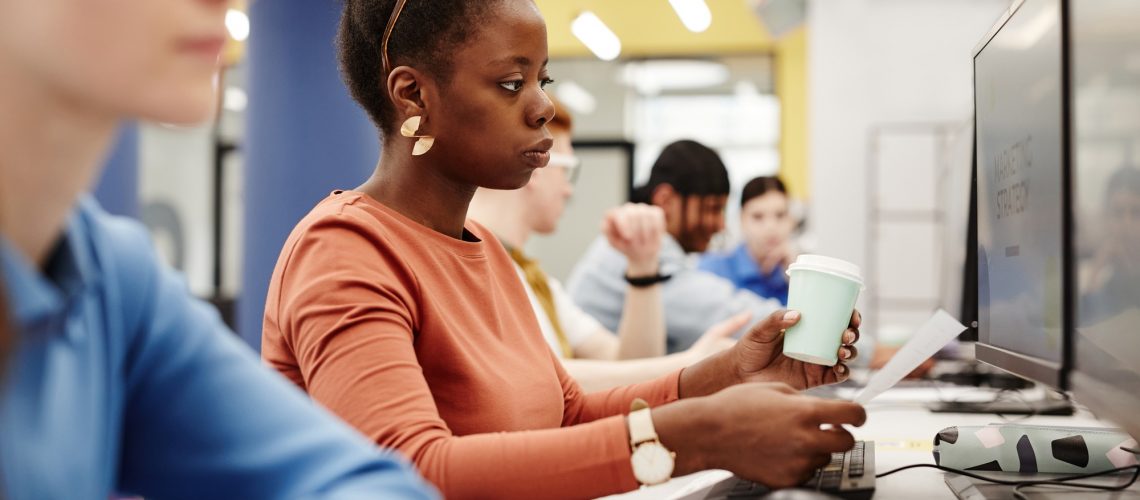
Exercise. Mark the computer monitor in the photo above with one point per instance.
(960, 269)
(1020, 106)
(957, 287)
(1105, 54)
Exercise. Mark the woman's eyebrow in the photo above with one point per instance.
(523, 61)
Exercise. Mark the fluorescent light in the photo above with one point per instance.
(235, 99)
(745, 89)
(237, 23)
(656, 75)
(694, 14)
(576, 97)
(596, 36)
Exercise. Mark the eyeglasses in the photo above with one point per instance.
(569, 163)
(388, 34)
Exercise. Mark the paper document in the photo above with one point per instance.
(938, 331)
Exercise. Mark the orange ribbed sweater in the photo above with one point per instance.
(428, 344)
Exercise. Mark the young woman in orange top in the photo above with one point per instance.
(409, 322)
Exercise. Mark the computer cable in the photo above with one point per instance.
(1018, 485)
(1008, 394)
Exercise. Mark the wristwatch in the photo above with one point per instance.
(652, 461)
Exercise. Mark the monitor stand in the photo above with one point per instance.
(1047, 406)
(974, 374)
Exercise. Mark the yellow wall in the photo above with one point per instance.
(791, 89)
(650, 27)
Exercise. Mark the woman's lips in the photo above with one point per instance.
(207, 46)
(537, 159)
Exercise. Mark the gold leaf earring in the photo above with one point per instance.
(409, 129)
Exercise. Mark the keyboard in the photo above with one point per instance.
(850, 475)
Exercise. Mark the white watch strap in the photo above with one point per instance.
(641, 427)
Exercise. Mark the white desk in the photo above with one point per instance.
(903, 431)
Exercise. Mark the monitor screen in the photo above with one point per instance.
(1106, 174)
(1018, 93)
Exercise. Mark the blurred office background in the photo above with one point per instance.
(862, 106)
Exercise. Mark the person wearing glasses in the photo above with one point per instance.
(408, 321)
(596, 357)
(115, 380)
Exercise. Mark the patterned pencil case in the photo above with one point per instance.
(1033, 449)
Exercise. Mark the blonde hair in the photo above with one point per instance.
(562, 119)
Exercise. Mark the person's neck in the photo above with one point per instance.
(503, 213)
(51, 149)
(419, 192)
(757, 254)
(675, 235)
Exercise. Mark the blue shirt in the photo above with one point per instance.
(693, 300)
(123, 382)
(743, 271)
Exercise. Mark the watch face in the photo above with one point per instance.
(652, 463)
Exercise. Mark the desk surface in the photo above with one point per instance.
(903, 431)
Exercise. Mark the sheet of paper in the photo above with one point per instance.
(933, 335)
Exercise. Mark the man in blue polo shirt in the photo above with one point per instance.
(113, 378)
(122, 381)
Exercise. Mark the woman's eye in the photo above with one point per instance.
(513, 85)
(545, 82)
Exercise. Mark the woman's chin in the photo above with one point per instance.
(511, 184)
(184, 109)
(184, 116)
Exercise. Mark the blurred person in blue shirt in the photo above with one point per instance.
(689, 182)
(114, 378)
(759, 263)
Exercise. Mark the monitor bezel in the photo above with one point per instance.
(1048, 372)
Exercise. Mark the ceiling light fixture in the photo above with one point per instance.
(596, 36)
(694, 14)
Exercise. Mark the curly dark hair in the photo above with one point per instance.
(425, 36)
(761, 186)
(691, 168)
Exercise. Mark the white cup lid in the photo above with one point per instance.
(829, 265)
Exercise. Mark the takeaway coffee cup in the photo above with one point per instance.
(823, 290)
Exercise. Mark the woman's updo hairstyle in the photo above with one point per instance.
(425, 35)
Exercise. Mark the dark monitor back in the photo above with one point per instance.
(1019, 107)
(968, 312)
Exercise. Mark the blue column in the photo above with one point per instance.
(305, 136)
(118, 188)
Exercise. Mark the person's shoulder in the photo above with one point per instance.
(347, 221)
(345, 209)
(716, 262)
(124, 263)
(118, 243)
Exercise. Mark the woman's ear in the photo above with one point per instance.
(407, 89)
